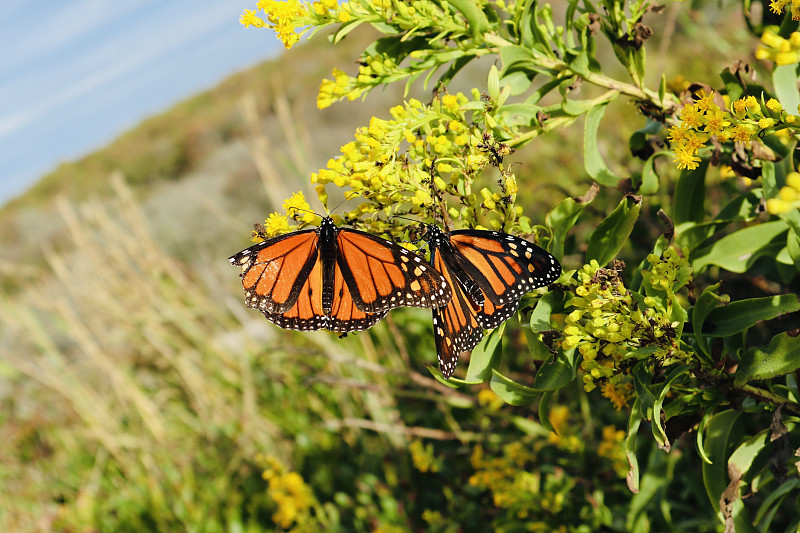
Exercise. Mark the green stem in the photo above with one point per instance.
(592, 77)
(559, 122)
(768, 397)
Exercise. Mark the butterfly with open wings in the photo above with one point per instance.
(489, 271)
(333, 278)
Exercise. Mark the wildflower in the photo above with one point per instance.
(611, 448)
(249, 18)
(774, 106)
(742, 133)
(284, 18)
(607, 324)
(297, 207)
(617, 394)
(777, 49)
(276, 224)
(423, 457)
(293, 498)
(715, 121)
(686, 159)
(692, 116)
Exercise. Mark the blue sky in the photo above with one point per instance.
(74, 75)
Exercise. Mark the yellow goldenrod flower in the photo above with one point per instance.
(276, 224)
(297, 207)
(715, 121)
(692, 116)
(685, 159)
(774, 106)
(249, 18)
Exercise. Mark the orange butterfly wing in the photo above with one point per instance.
(455, 326)
(307, 313)
(273, 271)
(489, 272)
(382, 275)
(504, 266)
(338, 279)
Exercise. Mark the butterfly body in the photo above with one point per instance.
(489, 272)
(333, 278)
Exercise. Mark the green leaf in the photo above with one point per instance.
(678, 373)
(649, 185)
(742, 314)
(766, 512)
(519, 114)
(486, 356)
(739, 250)
(531, 427)
(512, 392)
(641, 382)
(453, 382)
(705, 304)
(634, 421)
(690, 194)
(742, 458)
(544, 404)
(784, 79)
(560, 370)
(493, 84)
(611, 235)
(592, 160)
(723, 431)
(563, 216)
(780, 357)
(793, 248)
(540, 317)
(476, 18)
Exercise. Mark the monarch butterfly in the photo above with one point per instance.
(335, 278)
(489, 272)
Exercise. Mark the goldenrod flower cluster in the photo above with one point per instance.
(564, 433)
(611, 447)
(516, 486)
(389, 162)
(291, 18)
(788, 197)
(423, 457)
(293, 498)
(610, 324)
(778, 7)
(296, 208)
(746, 120)
(777, 49)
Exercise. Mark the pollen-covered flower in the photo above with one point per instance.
(293, 498)
(285, 17)
(297, 207)
(249, 18)
(607, 324)
(276, 224)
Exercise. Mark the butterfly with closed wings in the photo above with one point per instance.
(339, 279)
(489, 271)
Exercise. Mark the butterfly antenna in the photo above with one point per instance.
(346, 198)
(305, 210)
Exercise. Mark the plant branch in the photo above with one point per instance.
(770, 398)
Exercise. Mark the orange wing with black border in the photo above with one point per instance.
(274, 271)
(383, 275)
